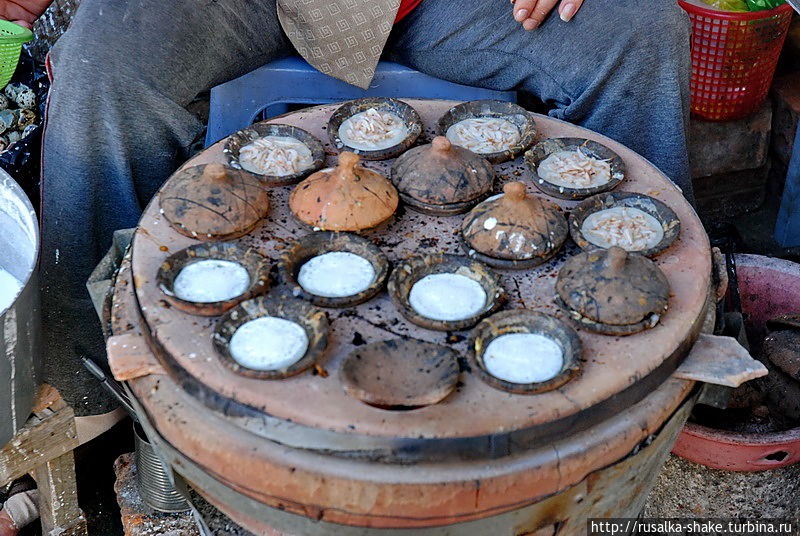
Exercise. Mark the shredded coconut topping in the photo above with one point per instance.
(373, 127)
(575, 169)
(484, 134)
(275, 155)
(626, 227)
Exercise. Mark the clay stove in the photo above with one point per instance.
(301, 456)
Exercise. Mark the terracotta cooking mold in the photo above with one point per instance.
(613, 292)
(509, 111)
(256, 265)
(670, 223)
(400, 374)
(441, 178)
(514, 230)
(542, 150)
(409, 271)
(248, 135)
(313, 320)
(405, 112)
(346, 198)
(308, 247)
(213, 202)
(525, 321)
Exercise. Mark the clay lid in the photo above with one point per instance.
(441, 173)
(515, 226)
(213, 202)
(613, 287)
(347, 198)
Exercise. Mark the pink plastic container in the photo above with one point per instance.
(768, 287)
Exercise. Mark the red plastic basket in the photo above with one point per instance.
(734, 56)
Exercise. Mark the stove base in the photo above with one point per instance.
(619, 490)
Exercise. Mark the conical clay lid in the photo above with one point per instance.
(613, 287)
(441, 173)
(347, 198)
(213, 202)
(515, 226)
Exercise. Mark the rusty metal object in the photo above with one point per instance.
(311, 319)
(613, 291)
(514, 230)
(404, 111)
(525, 321)
(308, 247)
(509, 111)
(670, 223)
(256, 265)
(349, 198)
(408, 272)
(242, 138)
(543, 149)
(213, 202)
(442, 178)
(400, 374)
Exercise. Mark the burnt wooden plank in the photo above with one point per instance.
(45, 437)
(58, 498)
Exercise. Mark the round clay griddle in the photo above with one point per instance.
(617, 372)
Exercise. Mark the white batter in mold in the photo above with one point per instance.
(10, 287)
(523, 358)
(269, 343)
(276, 156)
(627, 227)
(336, 274)
(372, 130)
(484, 135)
(574, 169)
(447, 297)
(210, 281)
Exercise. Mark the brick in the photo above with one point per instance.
(138, 519)
(725, 196)
(716, 148)
(786, 97)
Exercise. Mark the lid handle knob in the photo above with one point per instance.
(616, 258)
(514, 190)
(215, 172)
(348, 161)
(441, 144)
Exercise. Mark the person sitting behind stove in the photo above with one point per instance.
(124, 73)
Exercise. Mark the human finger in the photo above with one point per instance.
(523, 8)
(539, 14)
(568, 8)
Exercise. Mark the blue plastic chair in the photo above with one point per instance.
(270, 90)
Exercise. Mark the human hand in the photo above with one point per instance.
(7, 527)
(23, 12)
(531, 13)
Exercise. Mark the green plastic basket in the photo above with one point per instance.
(12, 36)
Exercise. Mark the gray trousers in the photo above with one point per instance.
(125, 71)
